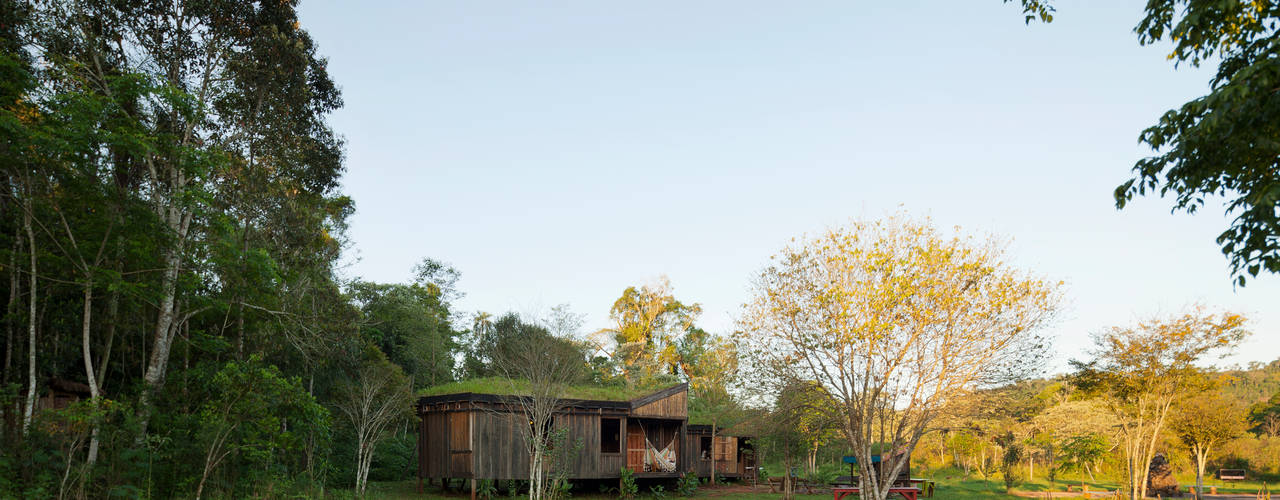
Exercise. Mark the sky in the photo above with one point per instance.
(558, 152)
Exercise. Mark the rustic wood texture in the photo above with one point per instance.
(484, 439)
(673, 406)
(726, 448)
(460, 456)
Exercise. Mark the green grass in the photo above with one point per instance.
(502, 386)
(949, 487)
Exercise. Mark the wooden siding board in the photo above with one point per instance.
(675, 406)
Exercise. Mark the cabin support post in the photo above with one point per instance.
(473, 488)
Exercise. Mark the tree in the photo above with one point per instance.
(648, 321)
(1010, 459)
(373, 401)
(1083, 452)
(710, 364)
(230, 100)
(894, 320)
(1204, 423)
(250, 411)
(1226, 143)
(410, 324)
(528, 353)
(1142, 371)
(1264, 417)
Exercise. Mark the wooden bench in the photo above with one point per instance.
(1231, 474)
(907, 492)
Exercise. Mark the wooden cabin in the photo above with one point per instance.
(477, 436)
(734, 455)
(62, 393)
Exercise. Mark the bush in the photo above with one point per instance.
(688, 484)
(627, 484)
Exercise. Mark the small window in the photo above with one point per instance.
(610, 435)
(704, 447)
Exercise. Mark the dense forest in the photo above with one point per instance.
(170, 226)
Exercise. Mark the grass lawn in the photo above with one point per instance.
(949, 487)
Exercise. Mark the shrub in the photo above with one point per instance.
(627, 484)
(688, 484)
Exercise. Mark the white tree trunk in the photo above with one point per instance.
(31, 325)
(94, 393)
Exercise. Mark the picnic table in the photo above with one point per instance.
(907, 492)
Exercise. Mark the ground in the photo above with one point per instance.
(949, 488)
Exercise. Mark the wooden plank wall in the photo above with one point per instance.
(499, 449)
(673, 406)
(436, 444)
(463, 442)
(500, 446)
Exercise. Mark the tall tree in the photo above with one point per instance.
(1226, 143)
(545, 365)
(1204, 423)
(217, 80)
(894, 320)
(1142, 371)
(648, 321)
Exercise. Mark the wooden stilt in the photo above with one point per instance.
(473, 488)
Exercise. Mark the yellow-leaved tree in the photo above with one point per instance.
(894, 319)
(1140, 372)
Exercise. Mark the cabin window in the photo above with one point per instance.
(610, 435)
(704, 447)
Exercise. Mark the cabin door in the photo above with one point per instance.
(460, 444)
(726, 450)
(635, 446)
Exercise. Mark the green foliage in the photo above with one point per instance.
(657, 492)
(410, 324)
(1264, 417)
(627, 487)
(492, 342)
(1036, 9)
(1225, 143)
(486, 489)
(1009, 460)
(687, 485)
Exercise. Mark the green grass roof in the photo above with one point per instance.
(502, 386)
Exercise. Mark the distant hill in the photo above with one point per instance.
(1254, 384)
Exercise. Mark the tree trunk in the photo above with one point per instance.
(162, 338)
(31, 324)
(713, 452)
(94, 393)
(1201, 455)
(113, 313)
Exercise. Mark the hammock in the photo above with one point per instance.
(660, 461)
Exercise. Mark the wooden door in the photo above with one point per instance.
(635, 447)
(726, 450)
(460, 444)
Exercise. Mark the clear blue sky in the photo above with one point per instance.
(557, 152)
